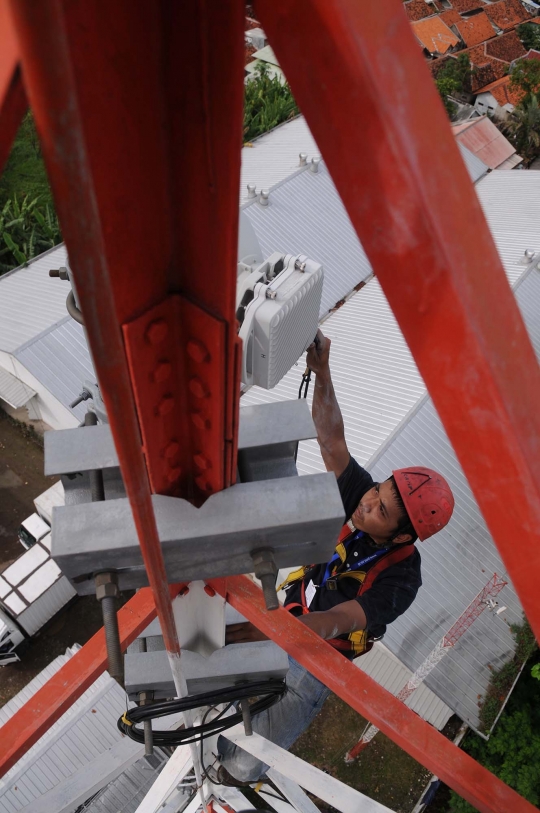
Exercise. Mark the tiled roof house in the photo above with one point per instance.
(464, 6)
(434, 35)
(417, 10)
(506, 14)
(506, 47)
(474, 30)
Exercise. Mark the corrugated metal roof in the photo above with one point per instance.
(13, 391)
(456, 564)
(85, 731)
(389, 419)
(274, 156)
(30, 301)
(60, 360)
(305, 215)
(475, 166)
(511, 203)
(485, 141)
(383, 666)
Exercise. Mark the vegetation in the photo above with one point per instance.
(28, 222)
(267, 103)
(24, 174)
(513, 751)
(523, 129)
(525, 76)
(26, 229)
(529, 34)
(454, 78)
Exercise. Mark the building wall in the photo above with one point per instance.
(43, 407)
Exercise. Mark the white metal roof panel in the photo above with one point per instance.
(25, 564)
(40, 581)
(475, 166)
(383, 666)
(14, 603)
(511, 203)
(13, 391)
(305, 215)
(85, 731)
(30, 301)
(275, 156)
(60, 360)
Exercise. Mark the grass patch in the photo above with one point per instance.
(25, 174)
(383, 771)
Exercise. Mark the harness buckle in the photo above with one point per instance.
(331, 584)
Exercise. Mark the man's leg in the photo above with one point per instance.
(282, 723)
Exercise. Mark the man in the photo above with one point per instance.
(372, 578)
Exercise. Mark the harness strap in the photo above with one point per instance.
(393, 558)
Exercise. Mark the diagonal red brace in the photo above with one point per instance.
(72, 680)
(13, 102)
(462, 773)
(361, 81)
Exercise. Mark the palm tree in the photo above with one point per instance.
(523, 127)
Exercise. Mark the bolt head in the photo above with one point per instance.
(157, 331)
(173, 474)
(202, 483)
(197, 351)
(162, 371)
(165, 406)
(171, 449)
(198, 388)
(199, 421)
(201, 461)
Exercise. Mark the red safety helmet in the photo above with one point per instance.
(427, 497)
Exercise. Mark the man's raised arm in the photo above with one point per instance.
(326, 412)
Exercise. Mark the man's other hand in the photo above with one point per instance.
(318, 354)
(244, 633)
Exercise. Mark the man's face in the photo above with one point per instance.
(378, 513)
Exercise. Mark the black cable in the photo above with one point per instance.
(304, 385)
(268, 692)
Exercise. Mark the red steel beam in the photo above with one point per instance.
(144, 167)
(423, 742)
(13, 102)
(360, 79)
(48, 704)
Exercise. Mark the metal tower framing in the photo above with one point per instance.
(139, 111)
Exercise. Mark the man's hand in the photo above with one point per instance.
(318, 354)
(244, 633)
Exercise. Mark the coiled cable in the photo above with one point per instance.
(267, 692)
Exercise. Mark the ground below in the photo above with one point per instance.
(22, 479)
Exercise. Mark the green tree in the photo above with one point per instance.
(446, 87)
(523, 129)
(525, 75)
(267, 103)
(529, 34)
(454, 77)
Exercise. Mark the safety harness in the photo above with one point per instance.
(357, 642)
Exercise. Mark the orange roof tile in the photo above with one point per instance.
(506, 47)
(434, 35)
(506, 14)
(477, 55)
(476, 29)
(536, 20)
(450, 17)
(417, 9)
(466, 5)
(503, 92)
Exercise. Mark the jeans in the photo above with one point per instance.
(282, 723)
